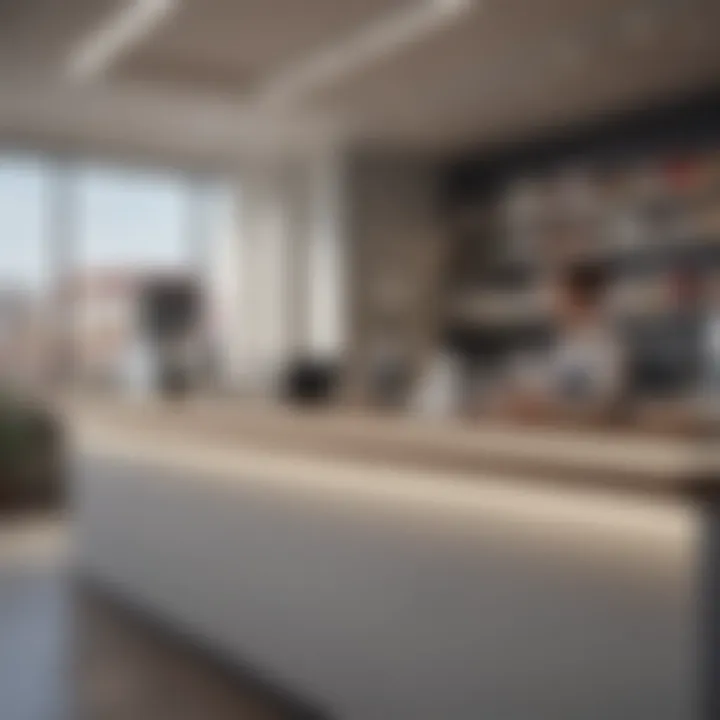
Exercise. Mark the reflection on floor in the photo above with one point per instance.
(68, 653)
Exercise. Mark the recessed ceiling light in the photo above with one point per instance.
(369, 45)
(97, 52)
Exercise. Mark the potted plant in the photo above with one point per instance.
(31, 456)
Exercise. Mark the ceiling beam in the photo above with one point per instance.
(98, 51)
(367, 46)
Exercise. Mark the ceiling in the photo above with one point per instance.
(498, 70)
(232, 46)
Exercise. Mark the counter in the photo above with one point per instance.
(621, 458)
(389, 588)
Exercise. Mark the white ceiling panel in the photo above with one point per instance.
(501, 70)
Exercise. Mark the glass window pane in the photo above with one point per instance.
(132, 220)
(24, 321)
(132, 227)
(23, 257)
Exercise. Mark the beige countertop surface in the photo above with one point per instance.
(277, 434)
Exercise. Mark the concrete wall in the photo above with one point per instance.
(396, 246)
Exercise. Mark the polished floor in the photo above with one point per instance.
(70, 653)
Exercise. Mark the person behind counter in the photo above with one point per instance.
(582, 378)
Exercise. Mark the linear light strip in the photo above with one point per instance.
(124, 29)
(371, 44)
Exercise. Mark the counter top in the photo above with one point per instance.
(626, 461)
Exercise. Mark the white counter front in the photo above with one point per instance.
(388, 594)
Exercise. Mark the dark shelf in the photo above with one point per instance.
(700, 253)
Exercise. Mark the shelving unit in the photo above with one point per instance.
(642, 221)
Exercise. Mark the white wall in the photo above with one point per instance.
(224, 257)
(278, 269)
(265, 237)
(327, 269)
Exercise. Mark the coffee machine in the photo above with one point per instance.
(170, 320)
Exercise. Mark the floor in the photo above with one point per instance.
(69, 653)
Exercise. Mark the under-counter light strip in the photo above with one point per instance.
(387, 36)
(521, 502)
(135, 20)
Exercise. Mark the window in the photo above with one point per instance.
(24, 269)
(23, 221)
(132, 220)
(128, 225)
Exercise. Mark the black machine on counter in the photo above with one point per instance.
(170, 317)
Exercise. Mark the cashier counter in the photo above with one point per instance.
(379, 568)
